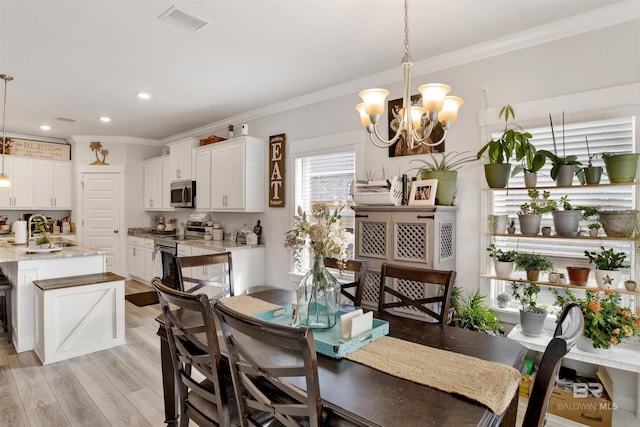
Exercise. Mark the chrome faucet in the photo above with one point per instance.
(30, 221)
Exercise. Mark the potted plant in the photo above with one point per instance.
(621, 167)
(473, 314)
(444, 167)
(500, 150)
(594, 228)
(630, 285)
(531, 317)
(562, 279)
(497, 224)
(566, 219)
(533, 264)
(530, 214)
(546, 230)
(606, 322)
(531, 162)
(620, 223)
(554, 276)
(511, 225)
(578, 275)
(608, 263)
(563, 168)
(592, 174)
(503, 299)
(503, 261)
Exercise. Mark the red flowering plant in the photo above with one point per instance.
(605, 321)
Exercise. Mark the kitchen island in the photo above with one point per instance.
(22, 268)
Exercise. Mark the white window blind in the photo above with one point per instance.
(615, 136)
(325, 178)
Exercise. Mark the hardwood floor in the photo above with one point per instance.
(120, 387)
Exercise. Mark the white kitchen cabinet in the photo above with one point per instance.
(238, 175)
(52, 184)
(203, 179)
(181, 159)
(21, 172)
(156, 184)
(140, 258)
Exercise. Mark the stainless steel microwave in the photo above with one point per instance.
(183, 194)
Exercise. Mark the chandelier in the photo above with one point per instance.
(416, 123)
(5, 181)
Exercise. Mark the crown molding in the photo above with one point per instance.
(604, 17)
(114, 140)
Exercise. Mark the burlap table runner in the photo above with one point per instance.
(248, 305)
(492, 384)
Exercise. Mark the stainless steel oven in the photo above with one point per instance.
(167, 248)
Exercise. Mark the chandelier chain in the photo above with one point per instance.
(406, 27)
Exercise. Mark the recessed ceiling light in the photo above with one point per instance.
(105, 119)
(45, 127)
(144, 95)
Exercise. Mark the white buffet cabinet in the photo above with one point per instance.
(140, 259)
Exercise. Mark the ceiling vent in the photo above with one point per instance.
(66, 119)
(183, 19)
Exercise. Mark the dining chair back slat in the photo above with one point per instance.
(570, 327)
(359, 270)
(217, 272)
(438, 284)
(262, 356)
(195, 354)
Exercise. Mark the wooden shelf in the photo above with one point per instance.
(588, 287)
(552, 187)
(553, 236)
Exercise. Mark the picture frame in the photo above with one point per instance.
(423, 192)
(399, 148)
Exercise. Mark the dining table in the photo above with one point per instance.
(370, 397)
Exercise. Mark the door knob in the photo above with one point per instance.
(115, 231)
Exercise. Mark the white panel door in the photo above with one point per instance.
(102, 204)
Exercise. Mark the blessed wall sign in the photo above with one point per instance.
(277, 170)
(40, 149)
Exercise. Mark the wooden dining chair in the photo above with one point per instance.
(416, 291)
(570, 327)
(265, 358)
(352, 291)
(195, 353)
(206, 270)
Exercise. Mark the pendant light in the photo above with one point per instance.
(416, 123)
(4, 178)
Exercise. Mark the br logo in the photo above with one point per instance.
(581, 390)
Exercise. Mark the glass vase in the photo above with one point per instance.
(318, 297)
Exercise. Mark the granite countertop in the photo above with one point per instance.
(220, 245)
(10, 252)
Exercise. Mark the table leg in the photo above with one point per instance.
(509, 419)
(168, 384)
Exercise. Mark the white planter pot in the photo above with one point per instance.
(586, 344)
(554, 277)
(530, 179)
(497, 224)
(503, 268)
(530, 224)
(607, 279)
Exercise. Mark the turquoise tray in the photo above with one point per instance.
(328, 340)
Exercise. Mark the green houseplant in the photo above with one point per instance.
(503, 261)
(532, 263)
(531, 317)
(606, 322)
(592, 174)
(530, 214)
(531, 162)
(472, 313)
(563, 168)
(608, 262)
(566, 218)
(444, 167)
(500, 150)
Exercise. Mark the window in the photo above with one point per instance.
(325, 178)
(613, 135)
